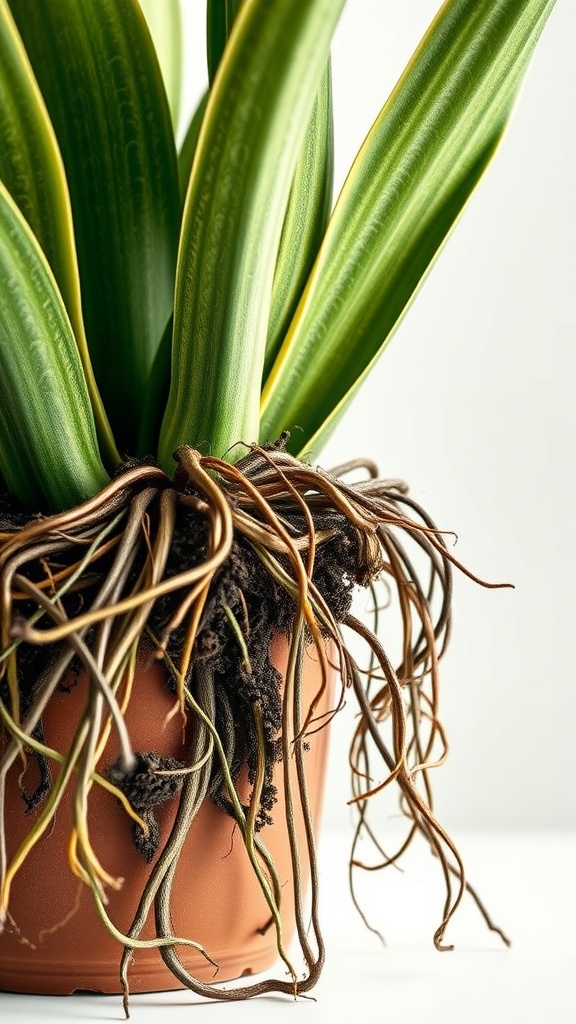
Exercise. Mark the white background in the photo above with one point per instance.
(473, 405)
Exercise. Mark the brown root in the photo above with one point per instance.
(203, 569)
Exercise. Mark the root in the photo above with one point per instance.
(201, 571)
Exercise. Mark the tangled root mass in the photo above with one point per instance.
(203, 570)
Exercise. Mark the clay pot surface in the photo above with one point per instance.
(54, 941)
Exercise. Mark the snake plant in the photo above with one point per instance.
(177, 329)
(214, 297)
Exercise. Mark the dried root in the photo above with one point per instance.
(203, 569)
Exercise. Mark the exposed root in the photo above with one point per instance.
(202, 570)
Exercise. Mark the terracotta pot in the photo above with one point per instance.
(55, 942)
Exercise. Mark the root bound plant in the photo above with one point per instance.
(185, 285)
(199, 572)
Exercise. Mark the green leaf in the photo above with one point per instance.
(257, 113)
(220, 17)
(164, 19)
(310, 198)
(305, 219)
(189, 144)
(99, 75)
(156, 396)
(32, 170)
(414, 174)
(49, 455)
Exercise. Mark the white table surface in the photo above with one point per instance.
(528, 881)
